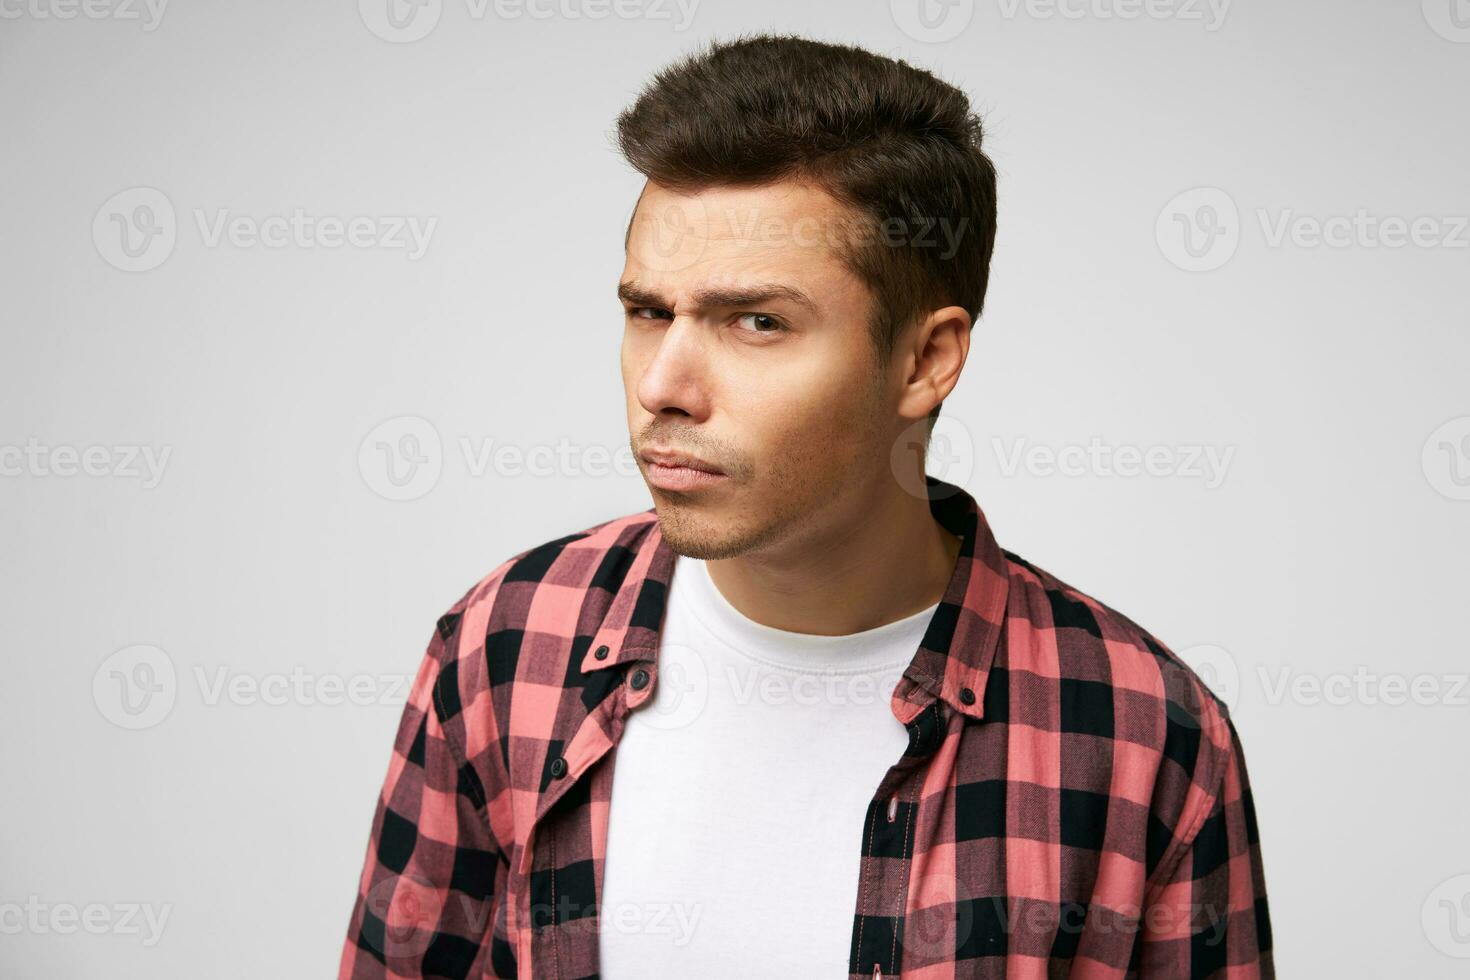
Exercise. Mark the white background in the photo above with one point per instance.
(1331, 550)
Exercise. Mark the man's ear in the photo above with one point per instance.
(938, 350)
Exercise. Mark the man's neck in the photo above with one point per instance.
(885, 560)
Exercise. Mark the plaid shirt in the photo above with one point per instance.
(1072, 802)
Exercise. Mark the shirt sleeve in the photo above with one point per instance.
(425, 904)
(1208, 918)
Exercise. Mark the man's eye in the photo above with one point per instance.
(761, 322)
(648, 313)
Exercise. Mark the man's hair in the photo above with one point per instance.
(898, 146)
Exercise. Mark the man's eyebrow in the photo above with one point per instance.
(734, 297)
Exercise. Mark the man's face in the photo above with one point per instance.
(746, 346)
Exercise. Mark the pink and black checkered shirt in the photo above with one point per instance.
(1073, 802)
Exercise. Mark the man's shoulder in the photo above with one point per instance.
(543, 588)
(1114, 675)
(1131, 726)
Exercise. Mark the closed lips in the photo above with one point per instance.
(676, 459)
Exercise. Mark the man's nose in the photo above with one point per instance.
(673, 380)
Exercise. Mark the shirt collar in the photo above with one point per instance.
(953, 661)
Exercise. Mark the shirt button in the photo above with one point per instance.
(600, 653)
(967, 696)
(639, 680)
(558, 767)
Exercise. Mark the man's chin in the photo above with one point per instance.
(694, 532)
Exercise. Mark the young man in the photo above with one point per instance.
(803, 717)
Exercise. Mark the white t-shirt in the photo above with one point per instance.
(739, 793)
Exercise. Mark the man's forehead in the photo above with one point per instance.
(789, 193)
(785, 214)
(700, 272)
